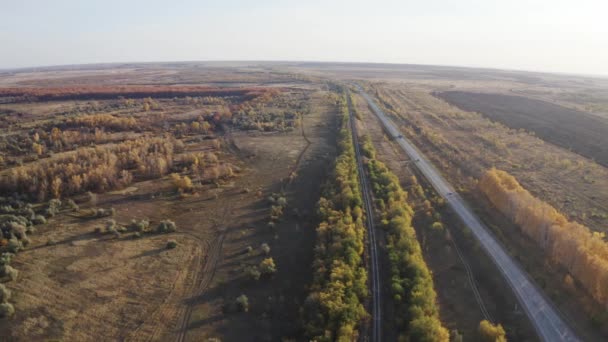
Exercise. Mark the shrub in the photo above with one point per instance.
(253, 272)
(111, 225)
(8, 272)
(53, 208)
(267, 266)
(5, 294)
(276, 212)
(282, 201)
(14, 246)
(6, 310)
(166, 226)
(489, 332)
(39, 219)
(437, 226)
(265, 248)
(140, 226)
(181, 183)
(243, 303)
(72, 205)
(5, 258)
(171, 244)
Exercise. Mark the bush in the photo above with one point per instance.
(5, 294)
(282, 201)
(253, 272)
(166, 226)
(72, 205)
(111, 225)
(8, 272)
(489, 332)
(14, 246)
(181, 183)
(267, 266)
(276, 212)
(243, 303)
(5, 258)
(6, 310)
(265, 248)
(437, 226)
(39, 219)
(140, 226)
(171, 244)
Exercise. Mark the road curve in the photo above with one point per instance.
(376, 335)
(547, 322)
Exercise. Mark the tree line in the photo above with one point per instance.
(334, 308)
(96, 169)
(412, 289)
(582, 252)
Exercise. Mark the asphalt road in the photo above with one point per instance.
(547, 322)
(376, 335)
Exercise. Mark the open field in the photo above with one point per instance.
(221, 200)
(474, 143)
(208, 159)
(573, 130)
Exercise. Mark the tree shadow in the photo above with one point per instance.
(80, 237)
(203, 322)
(149, 253)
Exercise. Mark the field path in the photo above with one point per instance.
(204, 277)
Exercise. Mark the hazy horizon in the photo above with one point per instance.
(536, 36)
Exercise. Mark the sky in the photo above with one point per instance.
(563, 36)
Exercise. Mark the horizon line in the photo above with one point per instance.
(52, 66)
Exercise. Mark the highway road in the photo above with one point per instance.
(547, 322)
(376, 335)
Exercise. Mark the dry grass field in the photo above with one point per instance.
(180, 201)
(472, 143)
(208, 158)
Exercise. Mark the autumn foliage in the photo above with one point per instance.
(334, 308)
(411, 282)
(96, 169)
(18, 94)
(582, 252)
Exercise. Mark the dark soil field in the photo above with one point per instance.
(574, 130)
